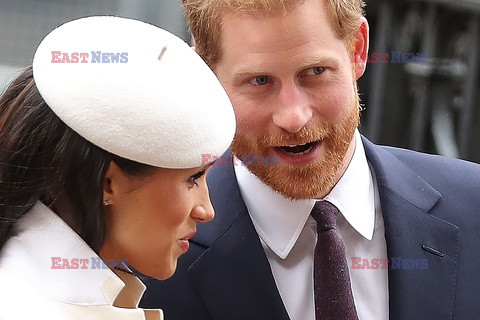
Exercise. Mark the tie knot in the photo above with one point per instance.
(325, 214)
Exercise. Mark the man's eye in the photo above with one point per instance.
(316, 71)
(260, 81)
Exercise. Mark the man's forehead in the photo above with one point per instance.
(260, 9)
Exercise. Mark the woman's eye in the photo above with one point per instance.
(193, 180)
(260, 80)
(316, 71)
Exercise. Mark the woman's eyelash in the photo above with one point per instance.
(193, 179)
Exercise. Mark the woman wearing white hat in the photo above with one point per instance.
(101, 145)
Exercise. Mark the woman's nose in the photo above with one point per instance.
(204, 211)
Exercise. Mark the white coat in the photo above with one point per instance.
(41, 276)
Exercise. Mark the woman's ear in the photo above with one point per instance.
(360, 49)
(114, 179)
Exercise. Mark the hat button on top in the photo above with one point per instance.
(160, 56)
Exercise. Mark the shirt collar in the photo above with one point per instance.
(279, 220)
(40, 235)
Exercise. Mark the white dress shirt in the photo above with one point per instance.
(288, 235)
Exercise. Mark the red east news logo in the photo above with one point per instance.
(95, 57)
(84, 263)
(395, 263)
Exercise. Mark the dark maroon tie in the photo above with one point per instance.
(333, 292)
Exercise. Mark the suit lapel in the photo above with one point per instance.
(421, 248)
(234, 260)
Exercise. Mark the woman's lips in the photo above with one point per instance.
(184, 241)
(184, 245)
(300, 154)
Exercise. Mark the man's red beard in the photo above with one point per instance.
(309, 181)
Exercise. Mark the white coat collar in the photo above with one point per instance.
(40, 236)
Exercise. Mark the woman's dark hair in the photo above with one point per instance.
(42, 159)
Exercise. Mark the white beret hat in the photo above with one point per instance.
(134, 90)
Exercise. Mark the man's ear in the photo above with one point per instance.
(360, 48)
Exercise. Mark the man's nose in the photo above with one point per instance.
(293, 110)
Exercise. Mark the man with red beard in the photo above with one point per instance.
(290, 68)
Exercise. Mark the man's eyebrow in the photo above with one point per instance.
(320, 61)
(247, 70)
(316, 61)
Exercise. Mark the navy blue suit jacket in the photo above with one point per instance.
(431, 209)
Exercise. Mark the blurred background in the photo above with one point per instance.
(430, 104)
(419, 91)
(24, 23)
